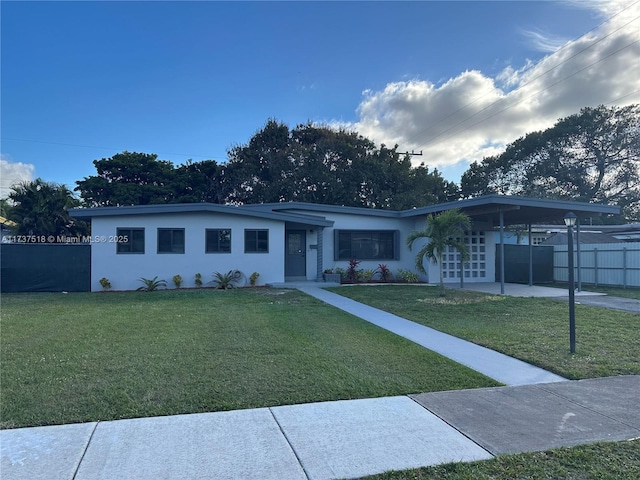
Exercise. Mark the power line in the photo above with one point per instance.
(107, 148)
(424, 131)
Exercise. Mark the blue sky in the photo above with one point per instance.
(188, 80)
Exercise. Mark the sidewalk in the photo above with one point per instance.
(341, 439)
(330, 440)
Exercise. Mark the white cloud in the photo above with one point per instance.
(13, 172)
(543, 41)
(473, 115)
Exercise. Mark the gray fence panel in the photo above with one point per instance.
(602, 264)
(516, 264)
(45, 268)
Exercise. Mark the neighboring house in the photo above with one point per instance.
(5, 230)
(293, 241)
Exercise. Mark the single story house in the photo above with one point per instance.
(293, 241)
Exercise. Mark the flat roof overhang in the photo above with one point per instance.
(515, 210)
(182, 208)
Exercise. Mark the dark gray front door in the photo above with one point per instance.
(295, 262)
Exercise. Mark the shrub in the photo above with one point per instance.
(384, 272)
(198, 280)
(342, 272)
(253, 278)
(152, 284)
(364, 275)
(352, 270)
(224, 281)
(408, 276)
(105, 283)
(177, 281)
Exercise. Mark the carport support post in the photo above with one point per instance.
(578, 255)
(501, 252)
(319, 254)
(530, 258)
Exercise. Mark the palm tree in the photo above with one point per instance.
(40, 208)
(442, 231)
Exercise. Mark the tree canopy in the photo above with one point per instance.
(592, 156)
(322, 165)
(306, 164)
(40, 208)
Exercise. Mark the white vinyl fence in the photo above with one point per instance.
(600, 264)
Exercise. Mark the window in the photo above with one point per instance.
(218, 240)
(171, 240)
(130, 240)
(366, 244)
(256, 241)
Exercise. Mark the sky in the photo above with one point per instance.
(82, 81)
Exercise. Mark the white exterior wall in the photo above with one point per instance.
(364, 222)
(433, 269)
(124, 270)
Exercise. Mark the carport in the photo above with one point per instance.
(491, 211)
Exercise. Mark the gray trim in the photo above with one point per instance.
(88, 213)
(481, 209)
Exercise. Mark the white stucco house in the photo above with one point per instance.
(293, 241)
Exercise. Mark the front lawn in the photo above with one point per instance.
(535, 330)
(599, 461)
(101, 356)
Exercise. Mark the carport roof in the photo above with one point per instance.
(516, 210)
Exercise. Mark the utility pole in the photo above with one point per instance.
(412, 153)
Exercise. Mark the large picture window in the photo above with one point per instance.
(256, 241)
(218, 240)
(130, 240)
(171, 240)
(366, 244)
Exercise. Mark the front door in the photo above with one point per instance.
(295, 261)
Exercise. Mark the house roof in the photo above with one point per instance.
(516, 210)
(6, 222)
(485, 210)
(88, 213)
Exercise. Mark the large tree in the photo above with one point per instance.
(41, 208)
(128, 178)
(592, 156)
(131, 178)
(334, 166)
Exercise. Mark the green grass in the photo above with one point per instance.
(103, 356)
(629, 292)
(532, 329)
(599, 461)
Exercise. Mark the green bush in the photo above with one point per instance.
(224, 281)
(152, 284)
(177, 281)
(105, 283)
(408, 276)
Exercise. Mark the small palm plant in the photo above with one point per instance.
(442, 231)
(152, 284)
(224, 281)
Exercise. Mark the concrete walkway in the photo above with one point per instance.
(498, 366)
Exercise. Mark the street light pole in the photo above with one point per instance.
(570, 220)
